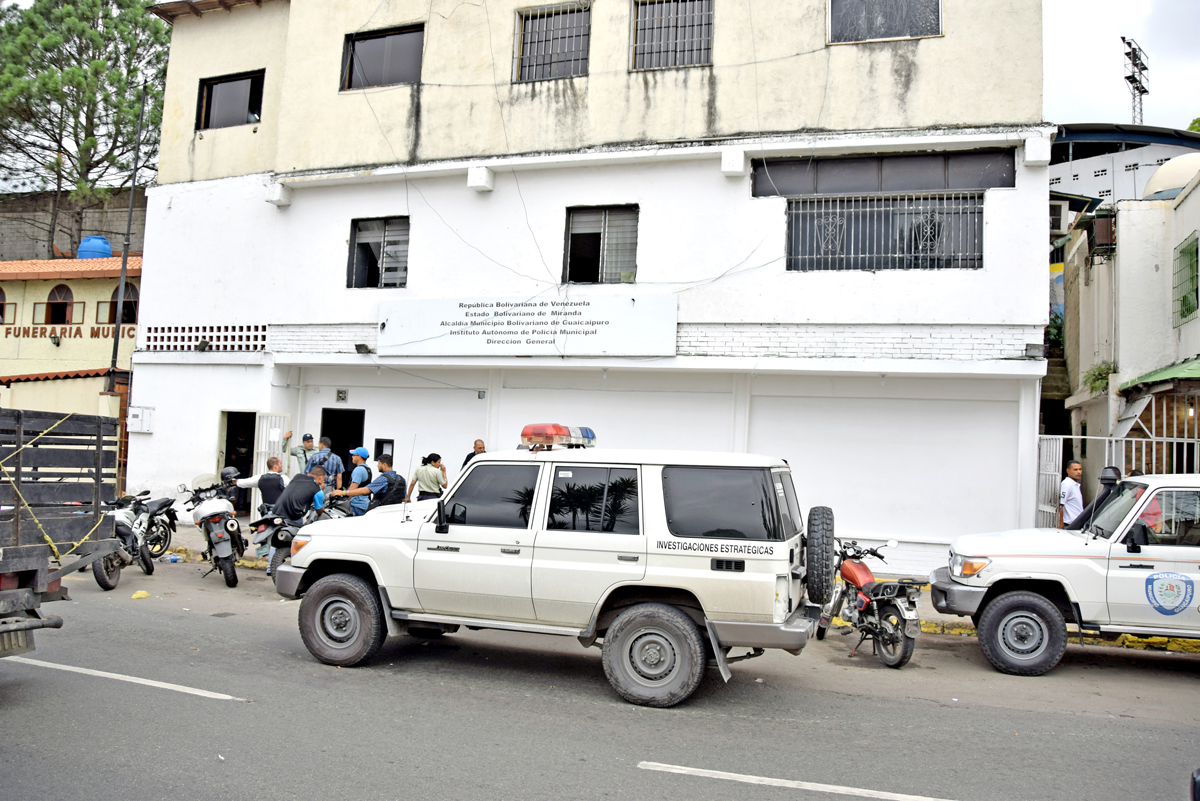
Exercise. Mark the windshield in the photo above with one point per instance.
(1110, 514)
(204, 481)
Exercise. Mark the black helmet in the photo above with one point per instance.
(229, 475)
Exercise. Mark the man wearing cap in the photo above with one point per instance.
(359, 477)
(302, 453)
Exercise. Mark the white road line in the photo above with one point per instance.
(162, 685)
(816, 788)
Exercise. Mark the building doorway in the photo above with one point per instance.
(239, 452)
(344, 427)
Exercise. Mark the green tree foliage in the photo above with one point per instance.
(1195, 126)
(70, 78)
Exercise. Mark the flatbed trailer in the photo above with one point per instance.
(57, 473)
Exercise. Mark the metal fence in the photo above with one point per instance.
(886, 232)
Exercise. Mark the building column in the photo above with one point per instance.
(740, 435)
(1027, 452)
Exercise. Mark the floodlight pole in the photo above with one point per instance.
(1137, 69)
(120, 308)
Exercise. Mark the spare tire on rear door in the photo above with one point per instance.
(820, 555)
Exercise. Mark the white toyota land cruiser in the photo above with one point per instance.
(669, 559)
(1132, 568)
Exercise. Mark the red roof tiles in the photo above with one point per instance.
(35, 269)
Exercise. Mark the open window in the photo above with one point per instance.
(378, 253)
(106, 311)
(383, 58)
(60, 308)
(8, 311)
(601, 245)
(230, 100)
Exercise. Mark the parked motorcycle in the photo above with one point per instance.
(278, 533)
(128, 515)
(212, 512)
(884, 612)
(159, 524)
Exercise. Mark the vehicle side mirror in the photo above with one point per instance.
(458, 514)
(892, 543)
(442, 526)
(1138, 536)
(143, 493)
(183, 488)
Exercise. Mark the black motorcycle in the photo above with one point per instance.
(129, 513)
(278, 533)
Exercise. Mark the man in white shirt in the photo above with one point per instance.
(1070, 496)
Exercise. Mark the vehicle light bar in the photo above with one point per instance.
(547, 435)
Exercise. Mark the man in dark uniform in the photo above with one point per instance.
(299, 493)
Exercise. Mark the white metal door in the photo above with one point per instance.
(1049, 480)
(268, 442)
(1157, 587)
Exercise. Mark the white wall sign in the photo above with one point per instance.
(610, 325)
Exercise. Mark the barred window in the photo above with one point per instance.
(879, 232)
(378, 253)
(553, 42)
(672, 33)
(1184, 296)
(601, 245)
(383, 58)
(873, 20)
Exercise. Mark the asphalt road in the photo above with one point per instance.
(510, 716)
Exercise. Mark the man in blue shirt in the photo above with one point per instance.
(330, 461)
(378, 489)
(360, 476)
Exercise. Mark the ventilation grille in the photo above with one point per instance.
(736, 565)
(216, 337)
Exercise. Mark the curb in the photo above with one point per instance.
(1173, 644)
(188, 555)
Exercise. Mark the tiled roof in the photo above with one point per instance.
(34, 269)
(17, 379)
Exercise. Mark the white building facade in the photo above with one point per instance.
(796, 231)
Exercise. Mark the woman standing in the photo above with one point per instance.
(429, 479)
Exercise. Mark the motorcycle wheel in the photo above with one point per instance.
(893, 647)
(144, 560)
(281, 555)
(159, 539)
(228, 570)
(107, 571)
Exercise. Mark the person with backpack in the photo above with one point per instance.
(387, 488)
(360, 476)
(329, 460)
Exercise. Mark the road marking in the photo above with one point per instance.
(162, 685)
(816, 788)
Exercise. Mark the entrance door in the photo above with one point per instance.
(481, 567)
(239, 452)
(1157, 587)
(344, 427)
(592, 539)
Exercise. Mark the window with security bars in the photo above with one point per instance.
(1185, 297)
(378, 253)
(601, 245)
(932, 231)
(672, 33)
(553, 42)
(874, 20)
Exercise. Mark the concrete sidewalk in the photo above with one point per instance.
(187, 543)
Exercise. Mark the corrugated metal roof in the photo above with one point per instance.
(17, 379)
(1185, 369)
(35, 269)
(181, 8)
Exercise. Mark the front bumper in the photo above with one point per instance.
(287, 580)
(791, 635)
(952, 598)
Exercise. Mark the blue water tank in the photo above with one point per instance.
(94, 247)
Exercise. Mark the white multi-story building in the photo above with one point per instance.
(815, 229)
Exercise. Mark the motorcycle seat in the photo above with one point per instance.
(881, 589)
(158, 505)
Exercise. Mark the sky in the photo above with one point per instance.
(1084, 62)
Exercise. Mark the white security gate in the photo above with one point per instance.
(1049, 481)
(268, 442)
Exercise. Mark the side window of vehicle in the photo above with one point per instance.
(789, 508)
(494, 495)
(601, 499)
(721, 502)
(1172, 518)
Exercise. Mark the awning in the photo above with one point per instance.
(1183, 370)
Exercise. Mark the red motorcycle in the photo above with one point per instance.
(884, 612)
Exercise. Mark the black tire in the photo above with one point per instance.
(107, 571)
(280, 556)
(653, 655)
(159, 539)
(341, 620)
(893, 647)
(424, 634)
(1022, 634)
(228, 570)
(820, 556)
(144, 561)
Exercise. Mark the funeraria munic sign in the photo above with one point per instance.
(66, 331)
(556, 325)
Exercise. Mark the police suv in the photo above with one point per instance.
(1132, 568)
(665, 560)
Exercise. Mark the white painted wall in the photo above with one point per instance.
(1114, 176)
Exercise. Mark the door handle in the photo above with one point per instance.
(623, 558)
(510, 550)
(1135, 567)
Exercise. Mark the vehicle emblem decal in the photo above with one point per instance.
(1169, 593)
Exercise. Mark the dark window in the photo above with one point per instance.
(789, 507)
(985, 169)
(383, 58)
(601, 245)
(232, 100)
(7, 315)
(553, 42)
(866, 20)
(59, 305)
(106, 311)
(595, 499)
(1186, 281)
(383, 446)
(378, 253)
(672, 33)
(495, 495)
(721, 502)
